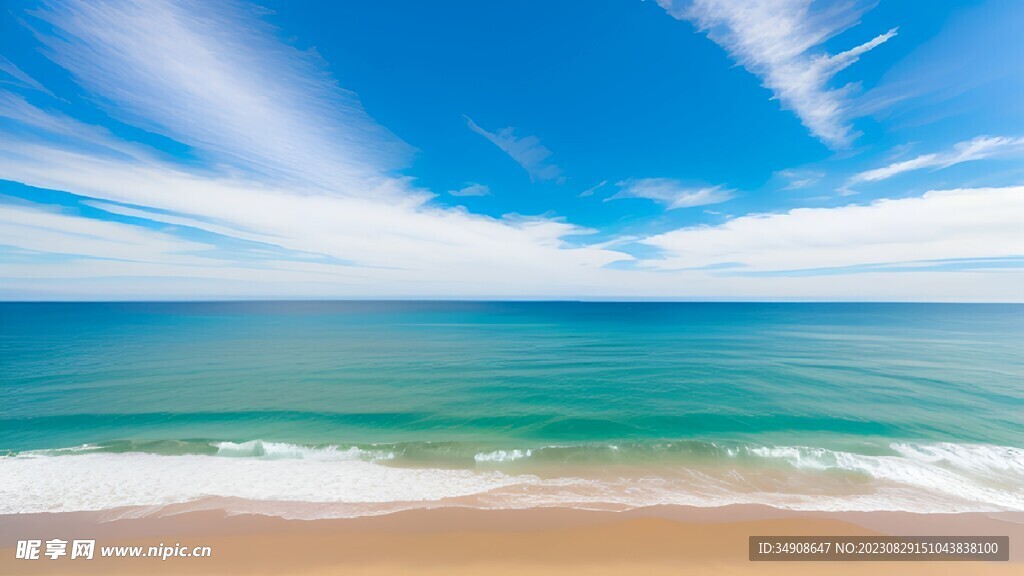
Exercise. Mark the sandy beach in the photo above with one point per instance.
(658, 540)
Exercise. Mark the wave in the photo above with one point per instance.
(972, 472)
(502, 455)
(331, 480)
(283, 450)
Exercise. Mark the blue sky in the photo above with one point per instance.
(773, 149)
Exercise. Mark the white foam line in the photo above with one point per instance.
(282, 450)
(344, 482)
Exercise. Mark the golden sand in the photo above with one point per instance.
(664, 540)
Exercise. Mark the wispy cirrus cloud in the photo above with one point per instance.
(799, 179)
(13, 75)
(978, 148)
(288, 160)
(217, 78)
(780, 42)
(50, 230)
(289, 189)
(363, 245)
(526, 150)
(471, 189)
(670, 193)
(590, 191)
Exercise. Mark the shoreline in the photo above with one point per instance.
(654, 540)
(310, 482)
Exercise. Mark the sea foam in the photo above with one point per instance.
(502, 455)
(282, 450)
(979, 473)
(298, 481)
(94, 481)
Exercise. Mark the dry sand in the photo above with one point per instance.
(660, 540)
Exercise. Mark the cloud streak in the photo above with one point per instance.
(216, 78)
(978, 148)
(16, 77)
(671, 193)
(289, 189)
(471, 189)
(527, 151)
(50, 231)
(289, 161)
(779, 41)
(590, 191)
(799, 179)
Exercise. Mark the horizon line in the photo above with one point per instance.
(539, 300)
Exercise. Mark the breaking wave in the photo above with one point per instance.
(332, 480)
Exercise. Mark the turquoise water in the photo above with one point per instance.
(792, 397)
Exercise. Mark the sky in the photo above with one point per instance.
(598, 149)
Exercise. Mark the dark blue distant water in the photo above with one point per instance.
(864, 402)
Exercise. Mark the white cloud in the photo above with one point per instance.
(443, 244)
(671, 193)
(527, 151)
(56, 125)
(292, 162)
(312, 180)
(15, 76)
(590, 191)
(951, 224)
(779, 41)
(33, 228)
(471, 189)
(977, 148)
(799, 179)
(216, 77)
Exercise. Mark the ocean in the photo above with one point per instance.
(319, 409)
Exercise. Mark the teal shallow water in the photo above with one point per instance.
(509, 373)
(513, 388)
